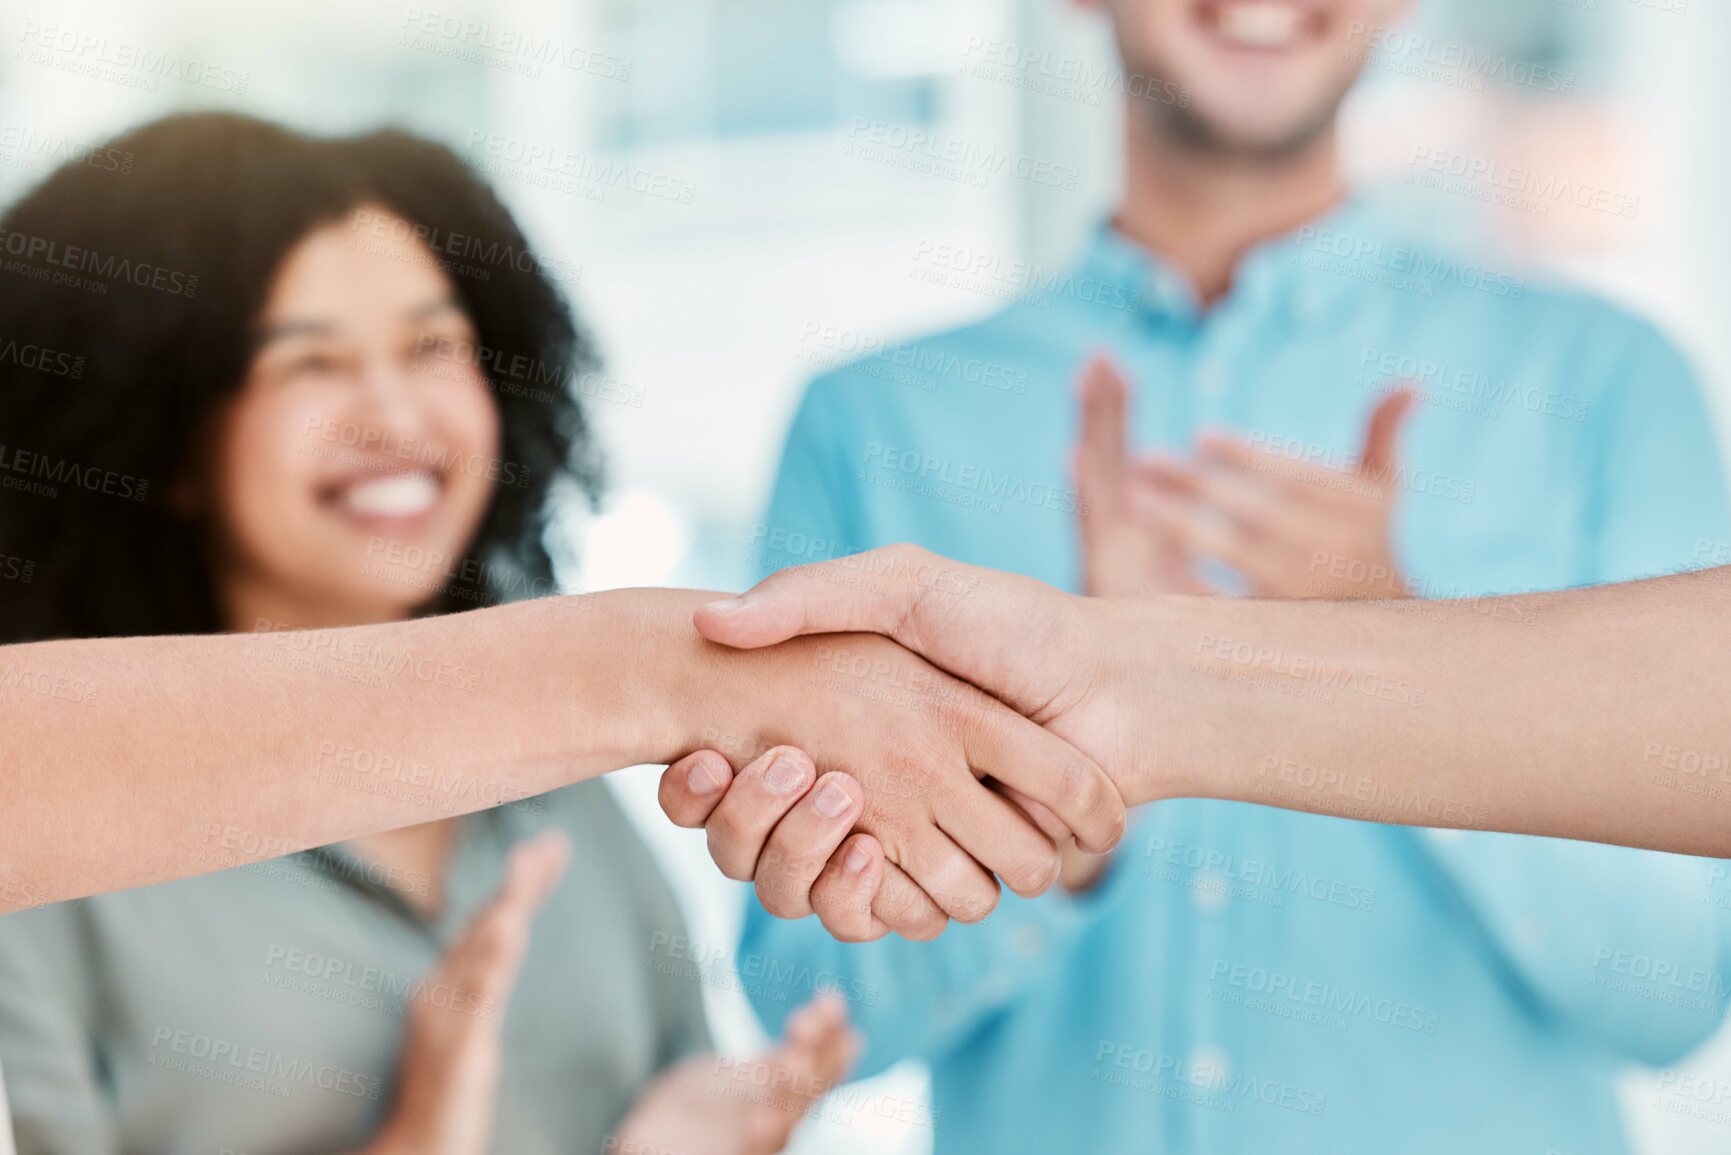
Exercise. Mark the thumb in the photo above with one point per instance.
(1382, 434)
(873, 592)
(968, 620)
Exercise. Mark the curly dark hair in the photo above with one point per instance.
(131, 282)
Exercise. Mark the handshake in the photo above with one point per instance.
(1002, 718)
(980, 732)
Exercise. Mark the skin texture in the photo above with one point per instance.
(130, 761)
(1507, 714)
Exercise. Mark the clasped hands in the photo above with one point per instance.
(1027, 722)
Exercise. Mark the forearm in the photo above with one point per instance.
(1587, 714)
(130, 761)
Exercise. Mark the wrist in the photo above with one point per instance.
(670, 682)
(1166, 714)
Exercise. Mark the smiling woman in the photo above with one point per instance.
(318, 388)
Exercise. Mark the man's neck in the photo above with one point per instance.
(1203, 208)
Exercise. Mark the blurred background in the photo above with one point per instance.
(695, 160)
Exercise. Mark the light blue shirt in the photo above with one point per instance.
(1249, 979)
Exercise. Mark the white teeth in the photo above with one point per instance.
(1259, 23)
(398, 495)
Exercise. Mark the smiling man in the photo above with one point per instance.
(1236, 978)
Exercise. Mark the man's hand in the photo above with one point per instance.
(1125, 551)
(1294, 529)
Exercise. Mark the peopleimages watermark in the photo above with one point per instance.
(562, 170)
(520, 375)
(1285, 995)
(1437, 382)
(1396, 265)
(1663, 7)
(962, 483)
(1511, 186)
(1221, 874)
(1201, 1083)
(352, 659)
(1353, 795)
(41, 359)
(1014, 280)
(929, 153)
(33, 151)
(758, 975)
(917, 364)
(1661, 980)
(1705, 773)
(1693, 1096)
(369, 443)
(120, 61)
(1456, 64)
(78, 267)
(1063, 75)
(370, 987)
(457, 254)
(1346, 474)
(440, 790)
(435, 572)
(505, 49)
(1276, 667)
(28, 471)
(253, 1068)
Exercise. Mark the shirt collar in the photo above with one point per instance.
(1273, 274)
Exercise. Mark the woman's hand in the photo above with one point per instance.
(742, 1107)
(447, 1087)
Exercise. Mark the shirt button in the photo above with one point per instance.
(1307, 303)
(1027, 940)
(1210, 1066)
(1208, 894)
(1211, 378)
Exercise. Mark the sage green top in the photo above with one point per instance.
(260, 1010)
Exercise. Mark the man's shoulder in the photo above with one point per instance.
(1511, 295)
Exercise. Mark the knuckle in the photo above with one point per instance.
(1032, 873)
(776, 897)
(724, 849)
(974, 904)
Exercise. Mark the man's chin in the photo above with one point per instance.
(1232, 135)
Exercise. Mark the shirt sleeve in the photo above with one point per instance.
(907, 999)
(59, 1104)
(1627, 946)
(1660, 502)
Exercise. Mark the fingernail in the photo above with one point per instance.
(705, 779)
(784, 776)
(725, 607)
(856, 859)
(831, 801)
